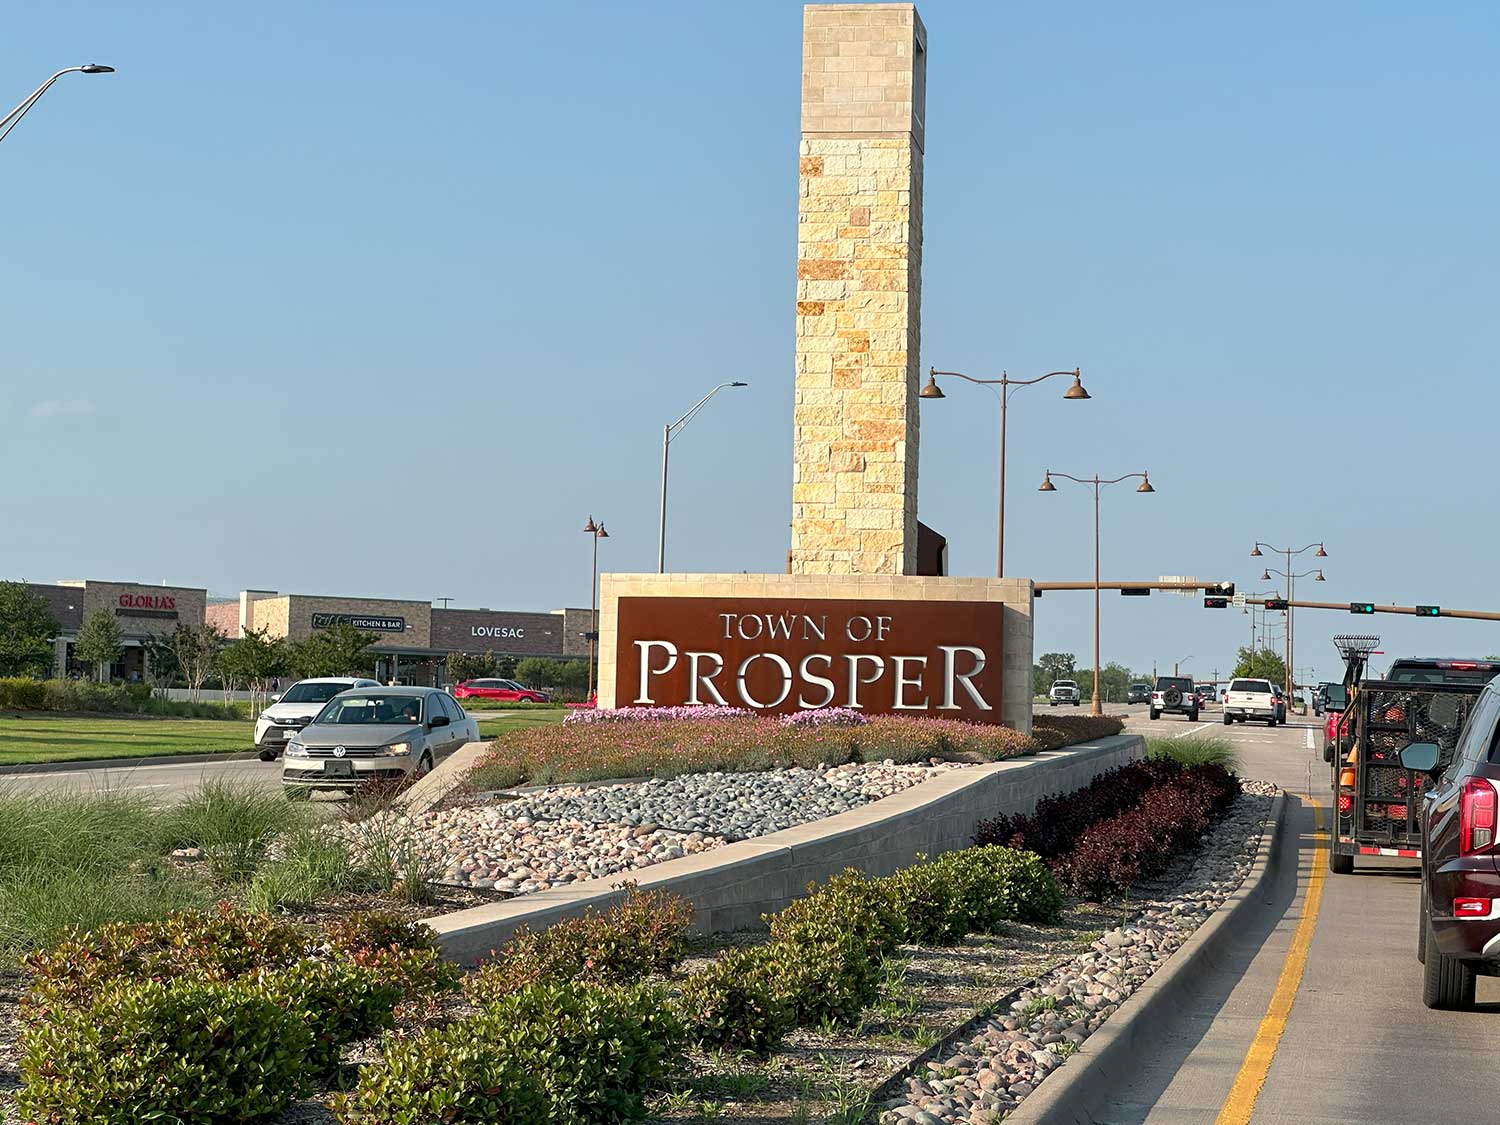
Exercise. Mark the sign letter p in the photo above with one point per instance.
(645, 647)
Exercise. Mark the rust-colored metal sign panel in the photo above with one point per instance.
(778, 655)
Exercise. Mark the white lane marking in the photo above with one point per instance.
(1193, 728)
(1309, 738)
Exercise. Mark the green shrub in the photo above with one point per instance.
(21, 694)
(997, 885)
(933, 911)
(849, 903)
(833, 979)
(233, 824)
(367, 930)
(739, 1002)
(338, 1001)
(640, 935)
(537, 1055)
(150, 1050)
(217, 945)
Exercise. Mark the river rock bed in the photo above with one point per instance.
(1002, 1059)
(734, 806)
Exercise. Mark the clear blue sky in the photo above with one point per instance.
(385, 299)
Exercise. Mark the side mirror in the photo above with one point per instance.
(1421, 757)
(442, 721)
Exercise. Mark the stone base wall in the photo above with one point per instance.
(1014, 593)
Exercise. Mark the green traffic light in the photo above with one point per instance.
(1429, 611)
(1361, 607)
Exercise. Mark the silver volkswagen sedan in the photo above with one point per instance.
(375, 734)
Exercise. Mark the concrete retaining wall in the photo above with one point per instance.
(731, 887)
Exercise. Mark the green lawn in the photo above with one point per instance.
(35, 737)
(32, 737)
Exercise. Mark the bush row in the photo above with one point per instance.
(215, 1016)
(1125, 825)
(20, 694)
(669, 747)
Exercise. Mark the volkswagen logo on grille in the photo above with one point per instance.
(339, 751)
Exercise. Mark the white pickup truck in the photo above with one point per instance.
(1250, 699)
(1064, 691)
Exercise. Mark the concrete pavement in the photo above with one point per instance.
(1357, 1044)
(169, 782)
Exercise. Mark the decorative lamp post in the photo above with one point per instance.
(1097, 483)
(931, 390)
(596, 530)
(668, 432)
(13, 118)
(1291, 594)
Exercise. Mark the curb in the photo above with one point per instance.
(1074, 1091)
(127, 763)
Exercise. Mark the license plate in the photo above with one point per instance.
(286, 734)
(338, 769)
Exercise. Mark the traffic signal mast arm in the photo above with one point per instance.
(1409, 610)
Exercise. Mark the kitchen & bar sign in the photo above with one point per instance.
(779, 655)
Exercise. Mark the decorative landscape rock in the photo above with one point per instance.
(736, 806)
(1007, 1056)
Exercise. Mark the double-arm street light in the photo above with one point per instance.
(1291, 591)
(1005, 383)
(1097, 483)
(668, 432)
(596, 532)
(11, 119)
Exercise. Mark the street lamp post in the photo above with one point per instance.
(1005, 383)
(596, 530)
(668, 432)
(1097, 483)
(1255, 553)
(1176, 663)
(11, 119)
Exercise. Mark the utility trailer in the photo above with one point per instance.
(1377, 801)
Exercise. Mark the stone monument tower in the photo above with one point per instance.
(859, 268)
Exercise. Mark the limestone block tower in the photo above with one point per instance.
(859, 268)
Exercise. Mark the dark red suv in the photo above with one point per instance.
(1459, 919)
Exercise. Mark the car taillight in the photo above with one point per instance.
(1346, 803)
(1471, 907)
(1476, 816)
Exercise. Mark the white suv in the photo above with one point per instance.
(295, 708)
(1252, 699)
(1064, 691)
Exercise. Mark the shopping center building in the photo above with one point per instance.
(414, 637)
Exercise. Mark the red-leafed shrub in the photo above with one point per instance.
(1061, 818)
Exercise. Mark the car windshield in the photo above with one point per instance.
(1064, 683)
(1140, 687)
(1180, 683)
(1262, 686)
(312, 692)
(352, 710)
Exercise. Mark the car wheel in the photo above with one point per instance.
(1077, 703)
(1340, 864)
(267, 755)
(1155, 714)
(1271, 722)
(1447, 982)
(297, 792)
(424, 765)
(1192, 716)
(1227, 719)
(1422, 925)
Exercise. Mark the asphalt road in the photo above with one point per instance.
(1357, 1044)
(168, 782)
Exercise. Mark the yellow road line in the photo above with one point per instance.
(1240, 1103)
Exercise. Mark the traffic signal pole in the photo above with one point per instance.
(1408, 610)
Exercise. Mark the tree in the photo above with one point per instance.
(1112, 685)
(26, 631)
(466, 666)
(196, 649)
(539, 672)
(98, 642)
(160, 663)
(1265, 664)
(255, 660)
(505, 666)
(1051, 666)
(339, 650)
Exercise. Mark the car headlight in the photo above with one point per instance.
(295, 749)
(396, 749)
(264, 715)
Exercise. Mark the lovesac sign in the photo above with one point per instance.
(941, 659)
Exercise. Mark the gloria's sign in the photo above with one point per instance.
(778, 655)
(365, 623)
(160, 606)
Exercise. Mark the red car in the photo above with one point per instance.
(507, 691)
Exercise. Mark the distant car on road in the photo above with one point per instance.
(1280, 702)
(1175, 694)
(391, 734)
(507, 691)
(1249, 699)
(1064, 691)
(1459, 917)
(295, 709)
(1138, 693)
(1206, 695)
